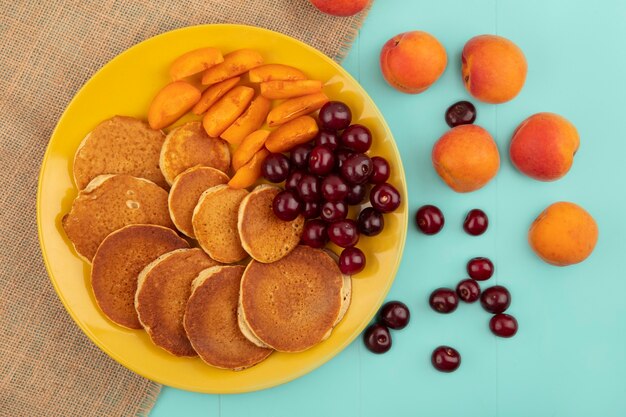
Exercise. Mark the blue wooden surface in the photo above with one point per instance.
(569, 357)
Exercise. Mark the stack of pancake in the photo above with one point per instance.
(206, 270)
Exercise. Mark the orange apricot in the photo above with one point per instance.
(248, 174)
(296, 107)
(214, 93)
(493, 68)
(171, 103)
(563, 234)
(412, 61)
(195, 61)
(235, 63)
(466, 158)
(223, 113)
(543, 146)
(275, 72)
(290, 134)
(249, 146)
(288, 89)
(252, 119)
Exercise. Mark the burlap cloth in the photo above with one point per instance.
(48, 50)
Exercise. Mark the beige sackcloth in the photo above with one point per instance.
(48, 50)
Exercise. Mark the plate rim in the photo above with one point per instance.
(252, 387)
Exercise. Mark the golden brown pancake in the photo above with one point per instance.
(111, 202)
(215, 223)
(163, 288)
(291, 305)
(188, 146)
(118, 262)
(211, 320)
(346, 299)
(263, 235)
(186, 191)
(120, 145)
(346, 290)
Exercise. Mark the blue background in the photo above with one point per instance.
(569, 356)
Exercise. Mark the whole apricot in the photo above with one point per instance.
(340, 7)
(563, 234)
(466, 158)
(543, 146)
(412, 61)
(494, 68)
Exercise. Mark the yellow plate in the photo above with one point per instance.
(125, 86)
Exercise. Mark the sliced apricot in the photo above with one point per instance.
(289, 89)
(171, 102)
(235, 63)
(252, 119)
(195, 61)
(214, 93)
(290, 134)
(296, 107)
(223, 113)
(248, 174)
(275, 72)
(249, 146)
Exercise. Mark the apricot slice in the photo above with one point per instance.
(250, 172)
(171, 102)
(289, 89)
(251, 145)
(235, 63)
(252, 119)
(296, 107)
(223, 113)
(275, 72)
(290, 134)
(194, 62)
(214, 93)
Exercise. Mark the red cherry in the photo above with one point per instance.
(480, 269)
(476, 222)
(468, 290)
(446, 359)
(495, 299)
(395, 315)
(443, 300)
(314, 233)
(503, 325)
(351, 261)
(429, 219)
(377, 338)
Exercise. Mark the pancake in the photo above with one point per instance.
(211, 320)
(111, 202)
(188, 146)
(120, 145)
(263, 235)
(215, 223)
(118, 262)
(292, 304)
(346, 298)
(186, 191)
(163, 288)
(346, 289)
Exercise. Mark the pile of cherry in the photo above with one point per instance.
(495, 300)
(325, 176)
